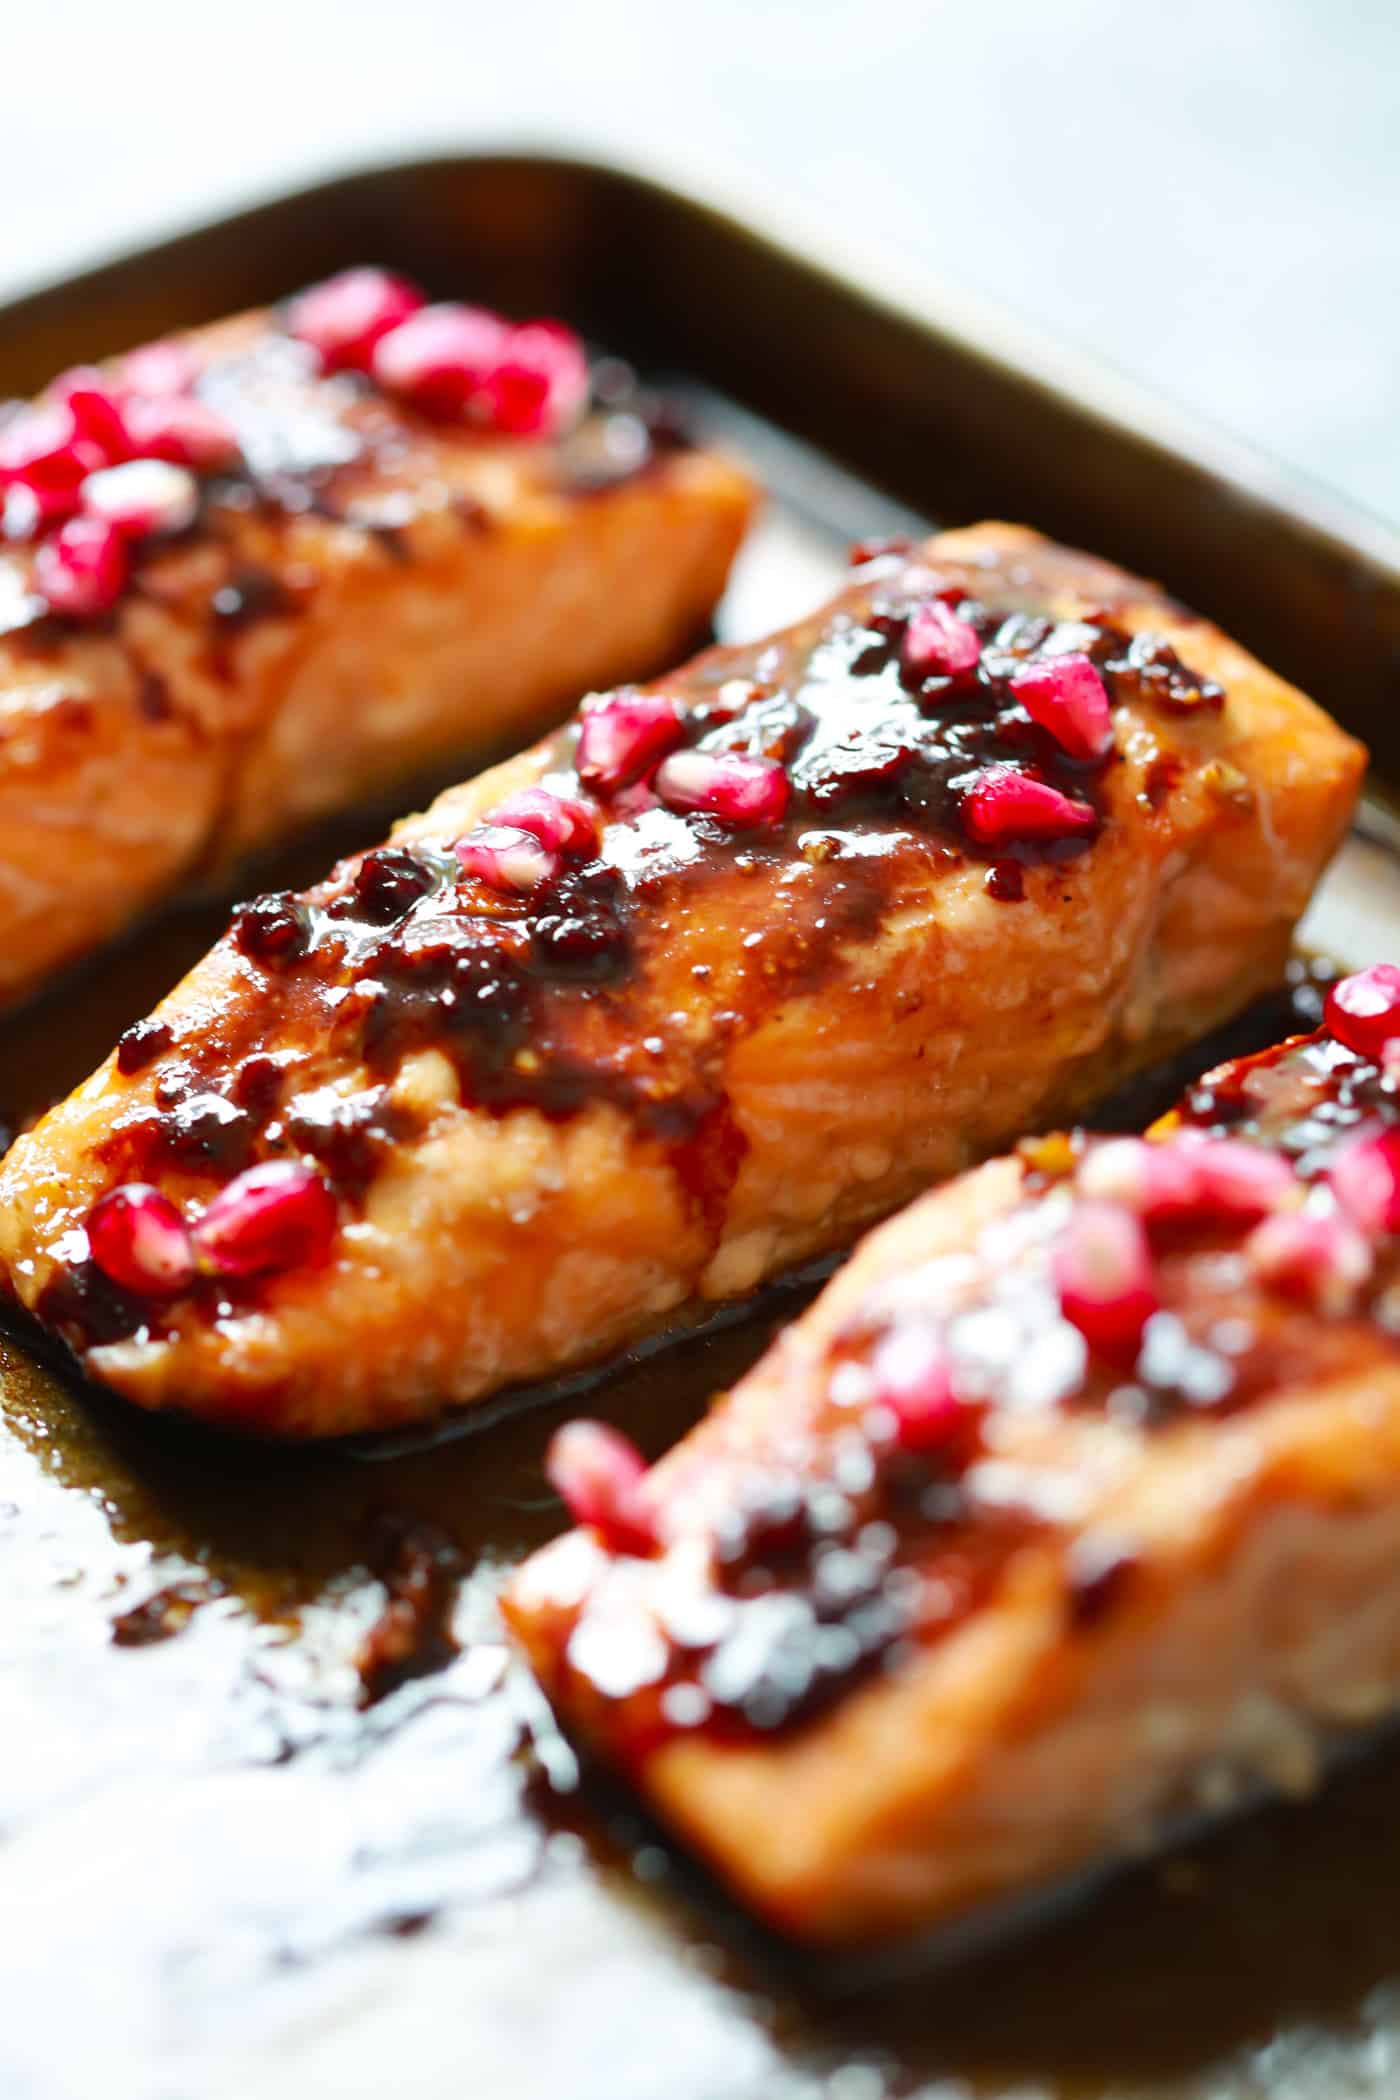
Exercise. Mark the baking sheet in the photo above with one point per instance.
(226, 1877)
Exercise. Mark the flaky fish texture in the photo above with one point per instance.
(1070, 1510)
(867, 920)
(365, 597)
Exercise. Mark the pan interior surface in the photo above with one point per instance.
(281, 1815)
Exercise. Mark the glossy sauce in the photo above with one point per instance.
(788, 1577)
(549, 1000)
(333, 446)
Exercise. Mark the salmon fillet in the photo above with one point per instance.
(704, 1016)
(1070, 1509)
(364, 593)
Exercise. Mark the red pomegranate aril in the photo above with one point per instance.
(506, 857)
(539, 385)
(937, 644)
(82, 570)
(562, 823)
(1363, 1011)
(912, 1378)
(186, 432)
(44, 454)
(280, 1215)
(599, 1476)
(1317, 1257)
(439, 357)
(1365, 1179)
(1234, 1179)
(879, 548)
(744, 791)
(1155, 1180)
(1188, 1176)
(345, 317)
(623, 734)
(96, 410)
(138, 1239)
(142, 497)
(1003, 805)
(1067, 696)
(158, 370)
(1103, 1273)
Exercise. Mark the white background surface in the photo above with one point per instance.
(1207, 192)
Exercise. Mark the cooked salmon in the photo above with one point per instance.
(731, 966)
(334, 594)
(1070, 1509)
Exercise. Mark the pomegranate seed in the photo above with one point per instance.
(185, 432)
(346, 316)
(1004, 804)
(913, 1379)
(1322, 1259)
(1156, 1181)
(280, 1215)
(83, 569)
(1103, 1272)
(95, 409)
(506, 857)
(1363, 1011)
(1234, 1179)
(138, 1238)
(44, 454)
(624, 733)
(440, 357)
(158, 370)
(878, 549)
(937, 643)
(1186, 1176)
(1067, 696)
(1365, 1179)
(634, 801)
(599, 1476)
(740, 790)
(560, 822)
(142, 497)
(539, 385)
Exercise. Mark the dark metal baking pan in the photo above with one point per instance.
(224, 1874)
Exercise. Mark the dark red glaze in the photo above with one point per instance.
(292, 421)
(814, 1583)
(1006, 881)
(839, 1539)
(528, 952)
(142, 1042)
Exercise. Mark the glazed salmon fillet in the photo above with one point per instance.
(246, 585)
(1069, 1511)
(730, 967)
